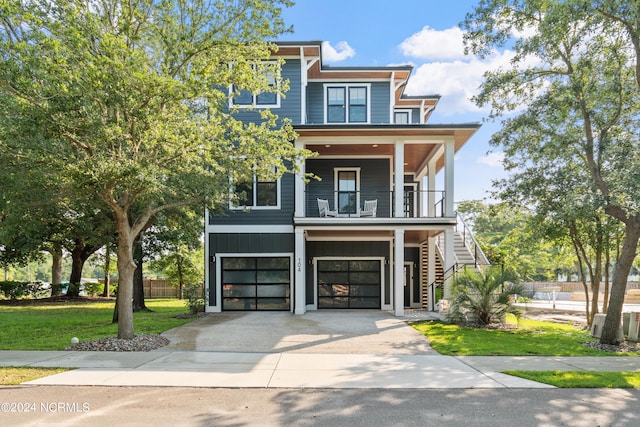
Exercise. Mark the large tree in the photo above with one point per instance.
(130, 100)
(573, 85)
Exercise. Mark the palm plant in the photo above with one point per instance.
(482, 297)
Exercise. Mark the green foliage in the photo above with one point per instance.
(573, 147)
(531, 338)
(93, 288)
(50, 326)
(194, 294)
(16, 290)
(482, 297)
(125, 106)
(581, 379)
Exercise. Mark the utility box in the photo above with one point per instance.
(598, 324)
(634, 326)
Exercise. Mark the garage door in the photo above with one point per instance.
(349, 284)
(255, 283)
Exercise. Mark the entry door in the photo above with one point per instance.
(349, 284)
(408, 278)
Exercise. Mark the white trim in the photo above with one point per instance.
(346, 87)
(314, 306)
(416, 197)
(248, 229)
(336, 173)
(218, 263)
(254, 103)
(403, 110)
(349, 239)
(254, 197)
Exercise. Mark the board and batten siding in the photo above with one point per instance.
(347, 249)
(244, 243)
(374, 182)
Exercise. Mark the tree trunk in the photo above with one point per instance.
(79, 255)
(619, 285)
(77, 263)
(607, 272)
(126, 269)
(56, 270)
(138, 284)
(107, 267)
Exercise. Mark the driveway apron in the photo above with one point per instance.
(326, 331)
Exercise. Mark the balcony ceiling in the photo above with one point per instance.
(420, 141)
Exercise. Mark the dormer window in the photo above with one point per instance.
(270, 99)
(347, 103)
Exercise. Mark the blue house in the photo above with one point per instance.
(375, 232)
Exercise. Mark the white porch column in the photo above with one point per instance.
(398, 187)
(449, 261)
(449, 151)
(299, 186)
(300, 273)
(398, 273)
(431, 189)
(431, 270)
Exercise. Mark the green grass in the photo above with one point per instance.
(51, 325)
(582, 379)
(16, 375)
(531, 338)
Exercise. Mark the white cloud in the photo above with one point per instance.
(340, 52)
(433, 44)
(493, 160)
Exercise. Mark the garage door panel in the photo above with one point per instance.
(253, 283)
(359, 286)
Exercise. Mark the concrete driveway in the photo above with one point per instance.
(326, 331)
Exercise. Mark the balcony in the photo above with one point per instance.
(357, 205)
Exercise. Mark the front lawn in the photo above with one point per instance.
(531, 338)
(582, 379)
(51, 325)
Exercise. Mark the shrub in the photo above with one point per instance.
(14, 290)
(93, 288)
(195, 298)
(482, 297)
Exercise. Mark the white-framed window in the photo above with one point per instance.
(256, 192)
(347, 103)
(243, 98)
(402, 117)
(347, 190)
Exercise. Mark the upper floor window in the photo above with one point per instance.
(347, 103)
(257, 192)
(347, 189)
(402, 117)
(268, 99)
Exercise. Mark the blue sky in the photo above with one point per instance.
(425, 34)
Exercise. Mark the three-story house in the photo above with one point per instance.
(364, 234)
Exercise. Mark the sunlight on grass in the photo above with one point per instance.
(51, 325)
(15, 375)
(531, 338)
(582, 379)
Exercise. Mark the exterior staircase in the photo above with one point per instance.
(467, 252)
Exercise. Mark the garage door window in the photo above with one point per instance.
(349, 284)
(255, 284)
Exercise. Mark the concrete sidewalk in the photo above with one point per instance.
(298, 370)
(328, 349)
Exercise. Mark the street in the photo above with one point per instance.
(165, 406)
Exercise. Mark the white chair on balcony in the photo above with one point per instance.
(323, 207)
(370, 208)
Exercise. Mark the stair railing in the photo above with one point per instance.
(471, 243)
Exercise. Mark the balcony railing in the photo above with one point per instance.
(352, 204)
